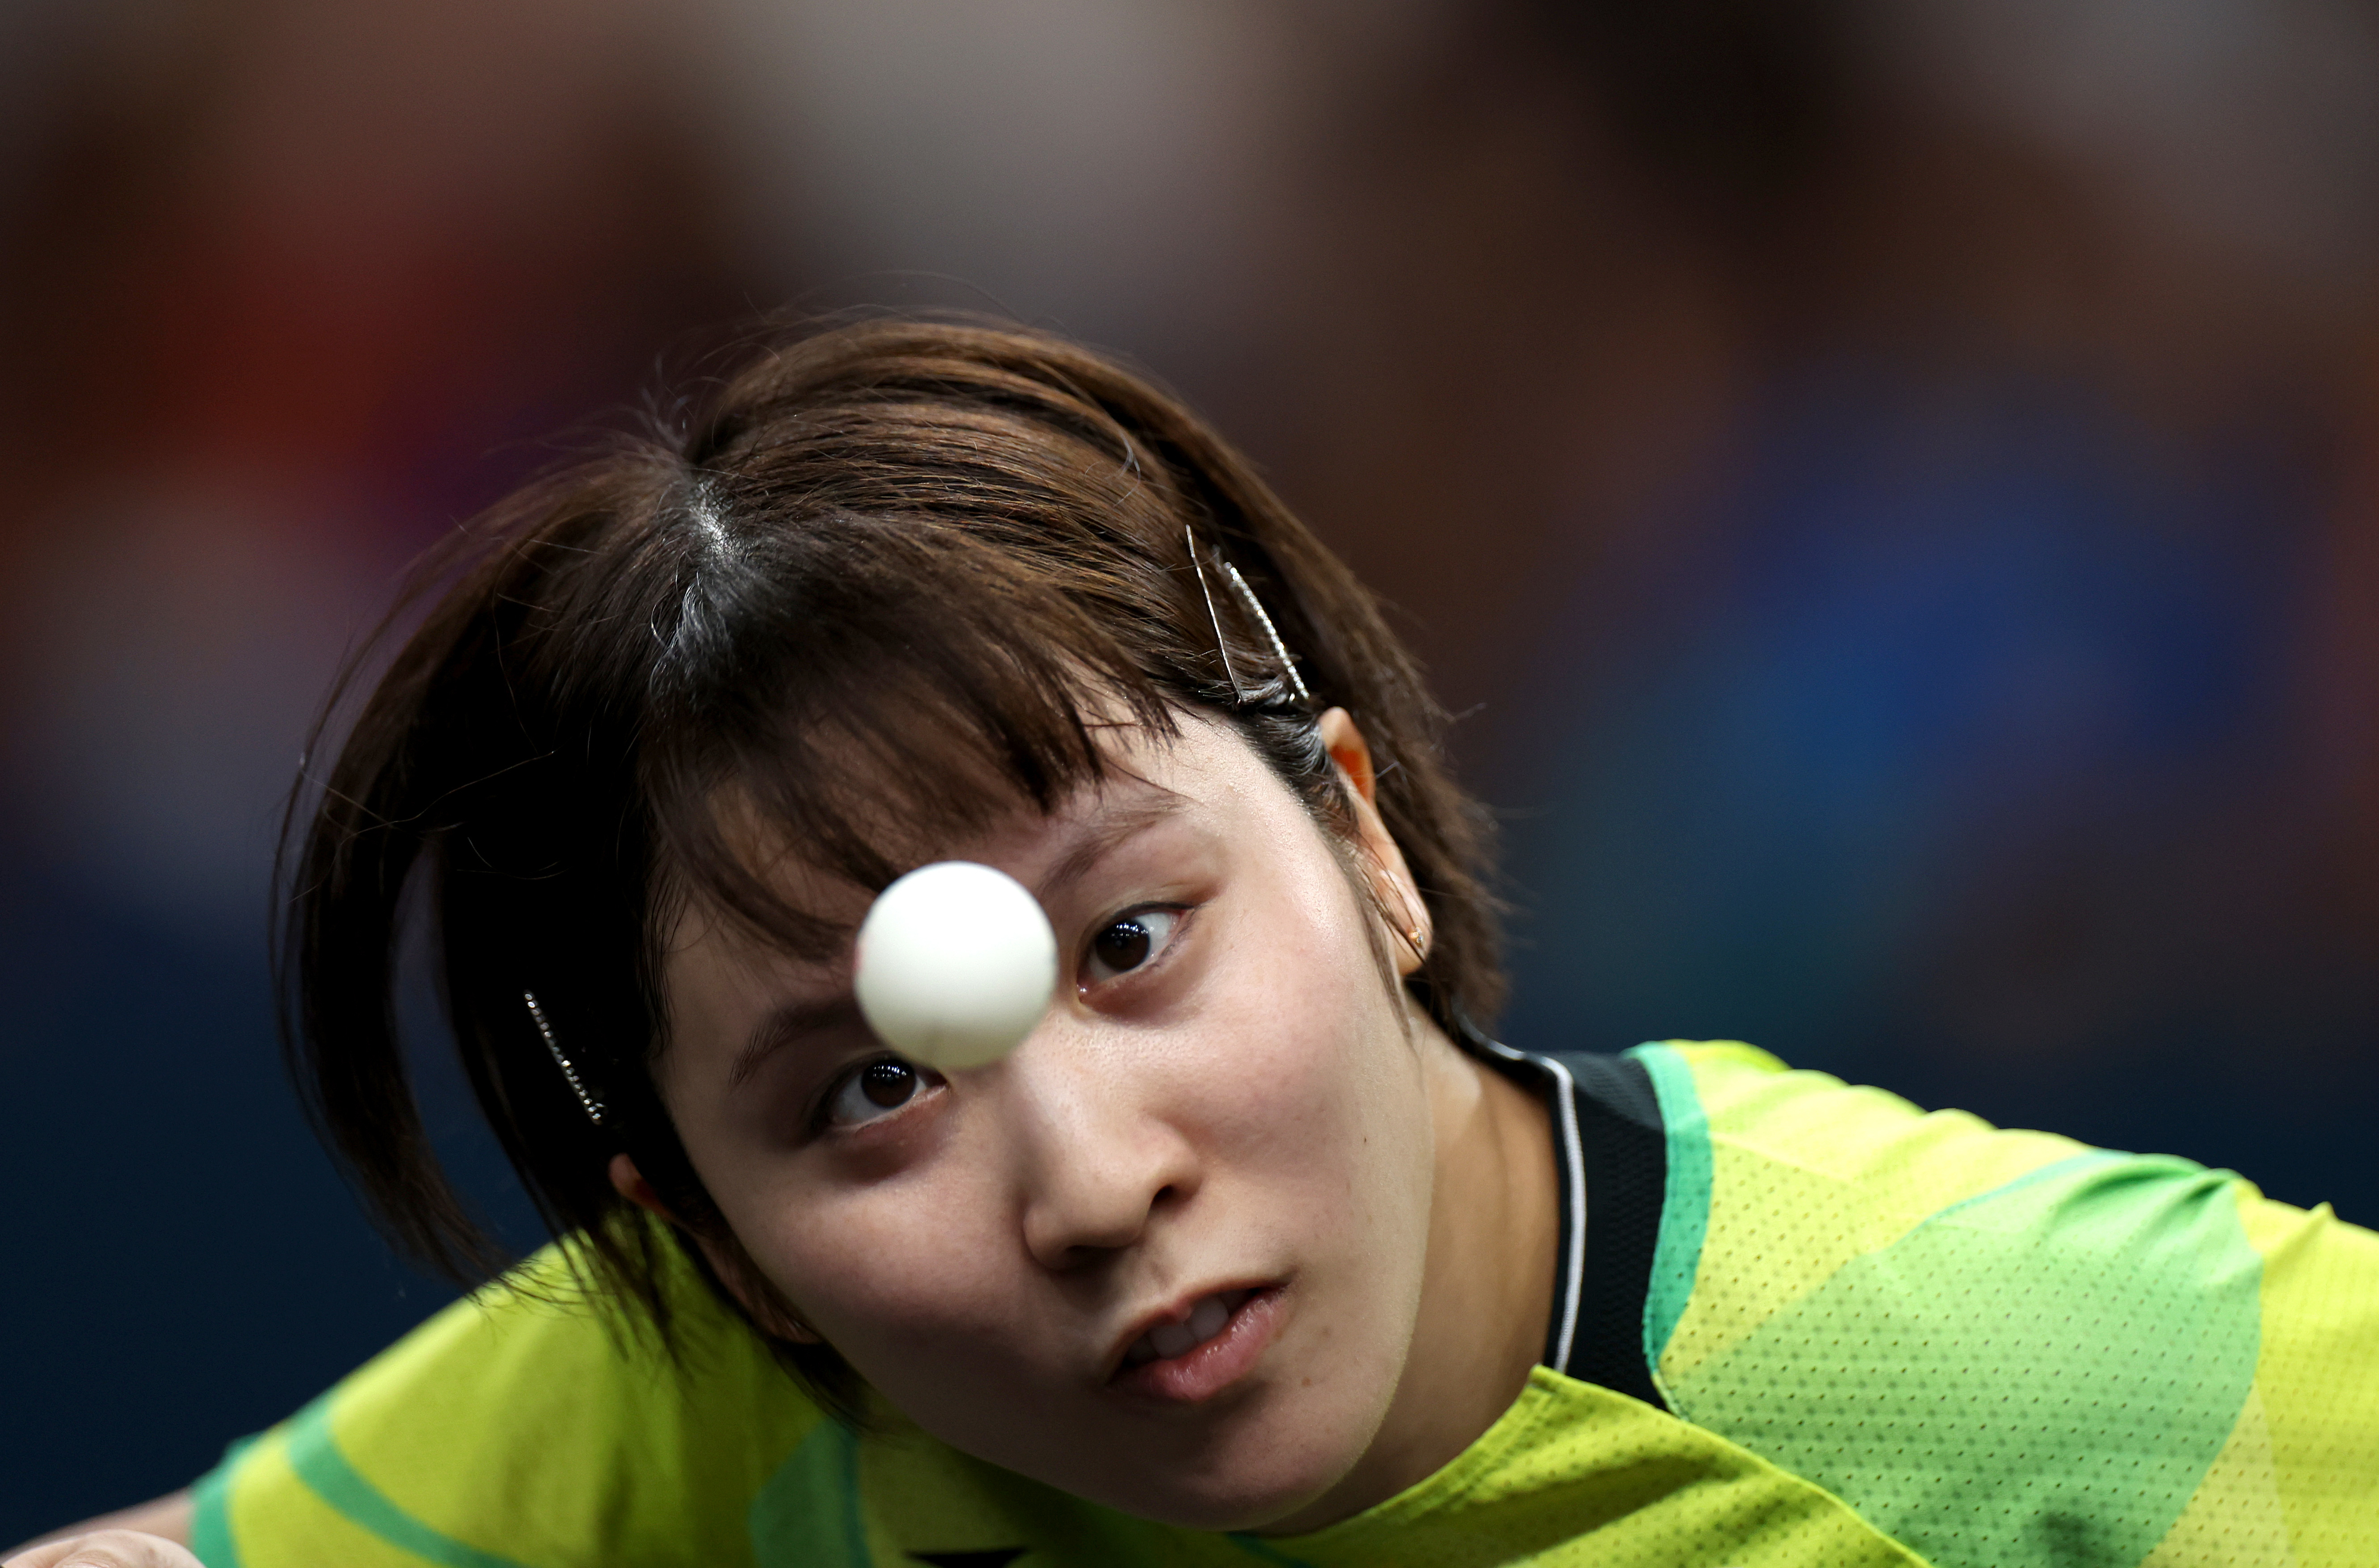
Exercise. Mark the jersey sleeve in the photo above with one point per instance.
(518, 1429)
(2297, 1483)
(2007, 1349)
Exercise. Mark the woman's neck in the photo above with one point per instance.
(1487, 1294)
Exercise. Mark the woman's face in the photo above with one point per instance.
(1168, 1255)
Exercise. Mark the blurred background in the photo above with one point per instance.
(1892, 490)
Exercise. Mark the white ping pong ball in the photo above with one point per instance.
(956, 965)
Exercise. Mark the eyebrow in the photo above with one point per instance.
(1100, 836)
(786, 1025)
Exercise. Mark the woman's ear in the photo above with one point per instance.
(630, 1183)
(1392, 883)
(735, 1271)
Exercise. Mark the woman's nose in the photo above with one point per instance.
(1100, 1160)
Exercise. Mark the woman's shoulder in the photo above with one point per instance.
(533, 1420)
(1758, 1113)
(1953, 1326)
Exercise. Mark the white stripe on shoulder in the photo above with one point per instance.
(1573, 1173)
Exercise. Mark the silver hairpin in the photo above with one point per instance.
(1222, 644)
(1254, 607)
(1279, 648)
(594, 1106)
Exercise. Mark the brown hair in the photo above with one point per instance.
(894, 520)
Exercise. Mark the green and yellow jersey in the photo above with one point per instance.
(1796, 1323)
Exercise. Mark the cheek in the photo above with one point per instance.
(930, 1303)
(1302, 1065)
(923, 1288)
(900, 1269)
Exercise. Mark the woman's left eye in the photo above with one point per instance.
(876, 1091)
(1129, 942)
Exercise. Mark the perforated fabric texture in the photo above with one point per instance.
(2316, 1378)
(2004, 1350)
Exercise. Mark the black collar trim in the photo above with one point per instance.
(1612, 1149)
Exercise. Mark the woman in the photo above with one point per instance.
(1255, 1248)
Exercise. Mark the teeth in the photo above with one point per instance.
(1173, 1339)
(1205, 1321)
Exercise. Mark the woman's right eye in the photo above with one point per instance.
(874, 1091)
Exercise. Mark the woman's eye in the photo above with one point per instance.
(876, 1089)
(1128, 942)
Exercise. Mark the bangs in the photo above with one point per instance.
(851, 696)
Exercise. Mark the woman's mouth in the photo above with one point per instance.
(1205, 1321)
(1197, 1357)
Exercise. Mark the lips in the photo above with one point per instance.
(1193, 1355)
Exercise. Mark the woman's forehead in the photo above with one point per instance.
(1149, 780)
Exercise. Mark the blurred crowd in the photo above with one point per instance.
(1890, 491)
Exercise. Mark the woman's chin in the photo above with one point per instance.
(1259, 1505)
(1250, 1486)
